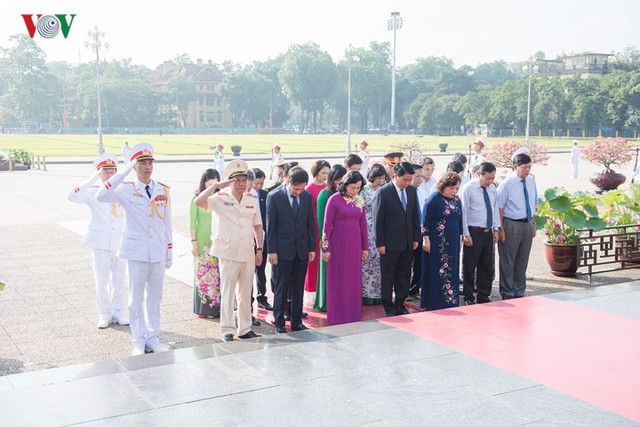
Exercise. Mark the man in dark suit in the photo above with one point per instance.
(261, 277)
(291, 244)
(397, 225)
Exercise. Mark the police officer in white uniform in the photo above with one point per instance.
(236, 217)
(102, 237)
(575, 158)
(146, 243)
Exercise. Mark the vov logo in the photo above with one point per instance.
(48, 26)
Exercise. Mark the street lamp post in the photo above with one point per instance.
(394, 23)
(530, 68)
(350, 60)
(96, 43)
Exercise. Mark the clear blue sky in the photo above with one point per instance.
(467, 31)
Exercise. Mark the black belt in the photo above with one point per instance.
(517, 220)
(481, 229)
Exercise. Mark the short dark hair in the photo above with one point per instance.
(427, 161)
(486, 167)
(297, 175)
(336, 172)
(287, 167)
(459, 157)
(251, 175)
(455, 167)
(403, 168)
(259, 173)
(521, 159)
(352, 159)
(448, 179)
(375, 171)
(317, 166)
(352, 177)
(206, 176)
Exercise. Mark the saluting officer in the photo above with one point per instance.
(102, 237)
(236, 216)
(146, 243)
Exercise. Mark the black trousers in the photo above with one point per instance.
(416, 272)
(261, 281)
(396, 276)
(478, 262)
(289, 281)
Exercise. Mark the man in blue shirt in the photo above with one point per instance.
(517, 199)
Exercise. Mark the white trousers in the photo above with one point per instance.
(145, 296)
(236, 281)
(109, 275)
(574, 168)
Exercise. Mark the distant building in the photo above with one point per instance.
(586, 65)
(210, 109)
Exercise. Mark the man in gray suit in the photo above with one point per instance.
(517, 199)
(291, 244)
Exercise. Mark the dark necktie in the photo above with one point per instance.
(148, 189)
(526, 199)
(403, 199)
(295, 206)
(487, 203)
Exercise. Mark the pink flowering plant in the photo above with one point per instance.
(411, 149)
(562, 215)
(500, 153)
(607, 152)
(622, 207)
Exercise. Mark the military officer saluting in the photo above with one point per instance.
(102, 237)
(236, 217)
(146, 243)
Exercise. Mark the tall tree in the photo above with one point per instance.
(31, 92)
(309, 78)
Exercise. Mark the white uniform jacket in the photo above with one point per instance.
(107, 219)
(147, 235)
(234, 223)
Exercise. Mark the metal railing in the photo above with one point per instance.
(612, 249)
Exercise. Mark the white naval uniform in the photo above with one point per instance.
(276, 159)
(147, 245)
(364, 155)
(575, 158)
(234, 245)
(102, 237)
(220, 162)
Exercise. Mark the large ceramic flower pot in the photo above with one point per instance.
(607, 181)
(562, 259)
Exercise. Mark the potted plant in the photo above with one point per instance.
(562, 215)
(500, 155)
(21, 156)
(607, 152)
(235, 149)
(443, 147)
(622, 208)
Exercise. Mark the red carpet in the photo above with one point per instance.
(588, 354)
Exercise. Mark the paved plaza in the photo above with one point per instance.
(48, 320)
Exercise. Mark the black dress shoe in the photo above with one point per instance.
(249, 334)
(265, 305)
(469, 302)
(300, 327)
(254, 321)
(483, 300)
(281, 331)
(402, 311)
